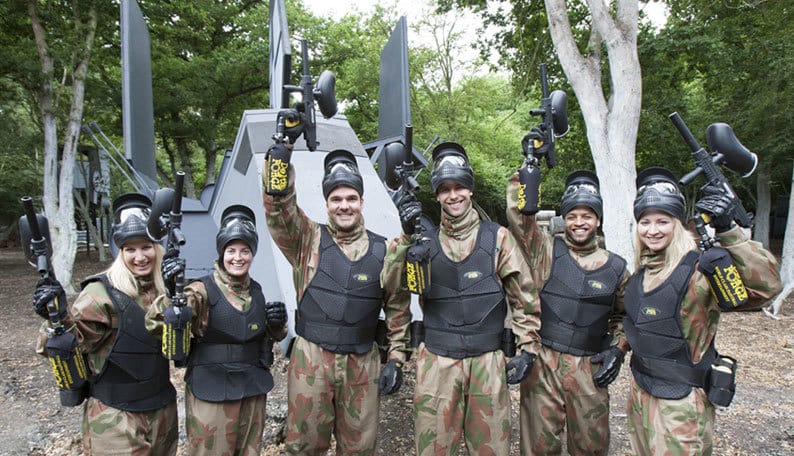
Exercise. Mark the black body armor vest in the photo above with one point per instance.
(465, 310)
(661, 362)
(576, 303)
(339, 310)
(135, 377)
(224, 365)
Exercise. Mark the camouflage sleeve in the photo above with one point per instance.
(397, 298)
(618, 312)
(521, 291)
(536, 244)
(289, 226)
(95, 323)
(196, 295)
(758, 268)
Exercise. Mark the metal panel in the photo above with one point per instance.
(136, 93)
(394, 102)
(280, 55)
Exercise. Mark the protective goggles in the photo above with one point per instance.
(580, 188)
(661, 187)
(124, 214)
(452, 160)
(243, 221)
(342, 167)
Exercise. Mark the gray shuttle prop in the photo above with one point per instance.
(239, 180)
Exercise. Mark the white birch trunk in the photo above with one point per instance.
(787, 263)
(611, 124)
(58, 183)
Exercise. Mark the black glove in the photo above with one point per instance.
(172, 266)
(520, 365)
(534, 142)
(293, 127)
(410, 210)
(275, 314)
(48, 290)
(610, 359)
(391, 377)
(718, 205)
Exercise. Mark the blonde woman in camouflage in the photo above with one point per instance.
(233, 329)
(131, 403)
(672, 317)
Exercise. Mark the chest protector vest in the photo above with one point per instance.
(339, 310)
(464, 311)
(576, 303)
(135, 377)
(661, 362)
(224, 365)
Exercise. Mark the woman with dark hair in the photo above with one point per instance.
(672, 317)
(233, 329)
(131, 404)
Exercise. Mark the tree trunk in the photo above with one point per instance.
(611, 124)
(763, 208)
(210, 158)
(58, 185)
(787, 264)
(84, 211)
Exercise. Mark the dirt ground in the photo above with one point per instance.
(759, 422)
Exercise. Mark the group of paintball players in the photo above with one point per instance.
(555, 314)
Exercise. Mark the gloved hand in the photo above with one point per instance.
(48, 290)
(534, 142)
(520, 365)
(719, 206)
(410, 210)
(391, 377)
(276, 314)
(172, 266)
(293, 127)
(610, 359)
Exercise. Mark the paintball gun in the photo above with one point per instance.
(399, 158)
(292, 123)
(716, 263)
(554, 124)
(66, 360)
(177, 317)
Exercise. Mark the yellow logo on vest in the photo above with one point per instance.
(595, 284)
(253, 326)
(650, 311)
(472, 274)
(361, 277)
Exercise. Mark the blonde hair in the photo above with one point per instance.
(125, 281)
(682, 243)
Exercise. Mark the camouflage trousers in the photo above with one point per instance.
(466, 398)
(110, 431)
(331, 392)
(670, 426)
(224, 428)
(557, 394)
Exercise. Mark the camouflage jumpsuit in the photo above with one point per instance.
(330, 392)
(107, 430)
(685, 426)
(469, 397)
(559, 392)
(229, 427)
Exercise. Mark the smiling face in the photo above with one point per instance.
(581, 224)
(655, 230)
(139, 257)
(455, 199)
(344, 206)
(237, 258)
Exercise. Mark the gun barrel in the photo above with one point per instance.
(30, 213)
(685, 133)
(409, 143)
(176, 206)
(544, 82)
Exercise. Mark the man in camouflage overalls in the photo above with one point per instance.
(583, 344)
(478, 271)
(342, 282)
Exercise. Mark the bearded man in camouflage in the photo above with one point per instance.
(342, 282)
(478, 272)
(583, 343)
